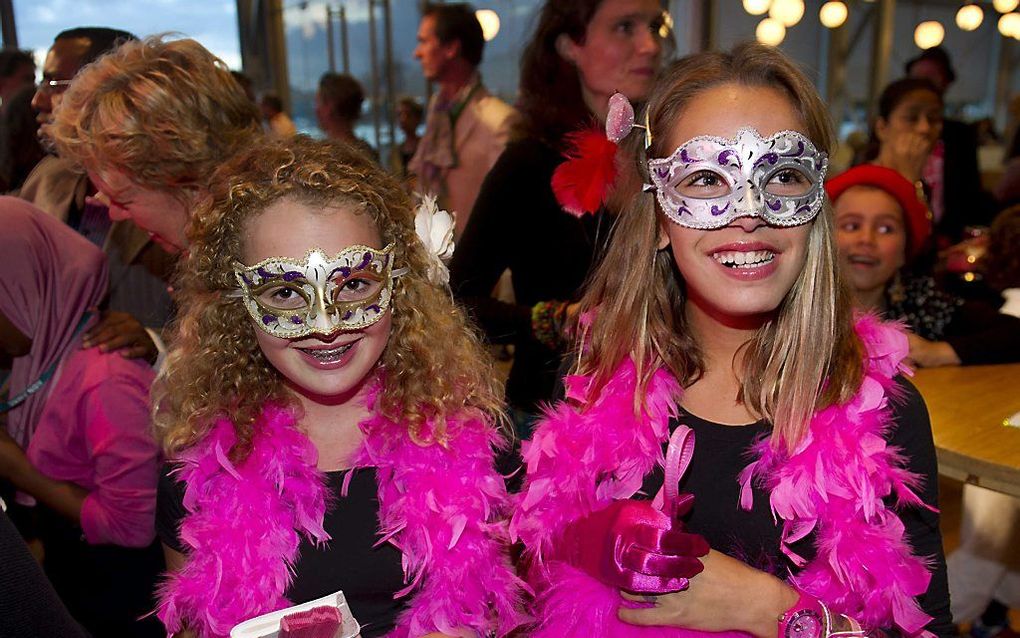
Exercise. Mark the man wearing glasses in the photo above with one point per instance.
(138, 268)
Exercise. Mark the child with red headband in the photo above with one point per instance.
(881, 226)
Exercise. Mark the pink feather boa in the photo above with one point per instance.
(834, 483)
(441, 505)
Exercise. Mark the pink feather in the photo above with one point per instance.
(277, 482)
(578, 606)
(441, 505)
(449, 504)
(835, 483)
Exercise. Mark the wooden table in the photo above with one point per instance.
(968, 405)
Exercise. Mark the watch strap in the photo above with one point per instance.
(807, 618)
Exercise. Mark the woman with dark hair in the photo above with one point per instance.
(582, 51)
(907, 127)
(909, 136)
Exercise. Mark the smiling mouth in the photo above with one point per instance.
(744, 259)
(328, 356)
(862, 260)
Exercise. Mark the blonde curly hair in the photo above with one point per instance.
(164, 112)
(435, 365)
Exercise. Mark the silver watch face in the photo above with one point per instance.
(805, 623)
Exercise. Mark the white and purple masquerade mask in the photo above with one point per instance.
(710, 181)
(289, 298)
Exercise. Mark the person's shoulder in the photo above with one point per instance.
(530, 152)
(92, 368)
(909, 411)
(494, 111)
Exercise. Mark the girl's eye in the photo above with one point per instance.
(788, 182)
(626, 27)
(703, 185)
(357, 289)
(849, 227)
(282, 298)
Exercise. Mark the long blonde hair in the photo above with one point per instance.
(435, 366)
(807, 356)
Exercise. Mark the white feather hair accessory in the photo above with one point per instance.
(435, 227)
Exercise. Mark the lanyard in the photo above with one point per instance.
(35, 386)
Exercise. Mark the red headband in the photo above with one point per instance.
(916, 215)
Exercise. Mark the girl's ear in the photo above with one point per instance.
(663, 235)
(881, 127)
(566, 48)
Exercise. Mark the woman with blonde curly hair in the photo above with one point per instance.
(718, 313)
(330, 414)
(150, 122)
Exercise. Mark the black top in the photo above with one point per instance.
(29, 608)
(516, 223)
(721, 452)
(977, 331)
(966, 202)
(368, 575)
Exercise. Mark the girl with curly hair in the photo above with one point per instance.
(329, 415)
(718, 313)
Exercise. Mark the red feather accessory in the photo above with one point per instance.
(582, 182)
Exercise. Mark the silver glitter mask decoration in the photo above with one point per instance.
(710, 181)
(289, 298)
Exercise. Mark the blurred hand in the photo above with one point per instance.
(630, 544)
(930, 354)
(120, 331)
(906, 153)
(728, 595)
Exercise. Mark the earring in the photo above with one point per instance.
(897, 292)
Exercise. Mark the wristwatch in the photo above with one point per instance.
(808, 618)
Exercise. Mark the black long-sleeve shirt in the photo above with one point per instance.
(517, 224)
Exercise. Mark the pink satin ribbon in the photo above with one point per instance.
(639, 546)
(679, 453)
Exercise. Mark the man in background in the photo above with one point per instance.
(17, 70)
(278, 123)
(338, 103)
(19, 147)
(466, 128)
(139, 269)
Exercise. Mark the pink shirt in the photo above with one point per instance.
(94, 432)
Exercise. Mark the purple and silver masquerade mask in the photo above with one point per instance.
(289, 298)
(710, 181)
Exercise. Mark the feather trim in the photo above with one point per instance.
(238, 567)
(444, 507)
(834, 483)
(578, 606)
(569, 475)
(441, 505)
(583, 180)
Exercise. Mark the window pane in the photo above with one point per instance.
(213, 23)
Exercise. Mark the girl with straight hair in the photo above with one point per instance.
(721, 369)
